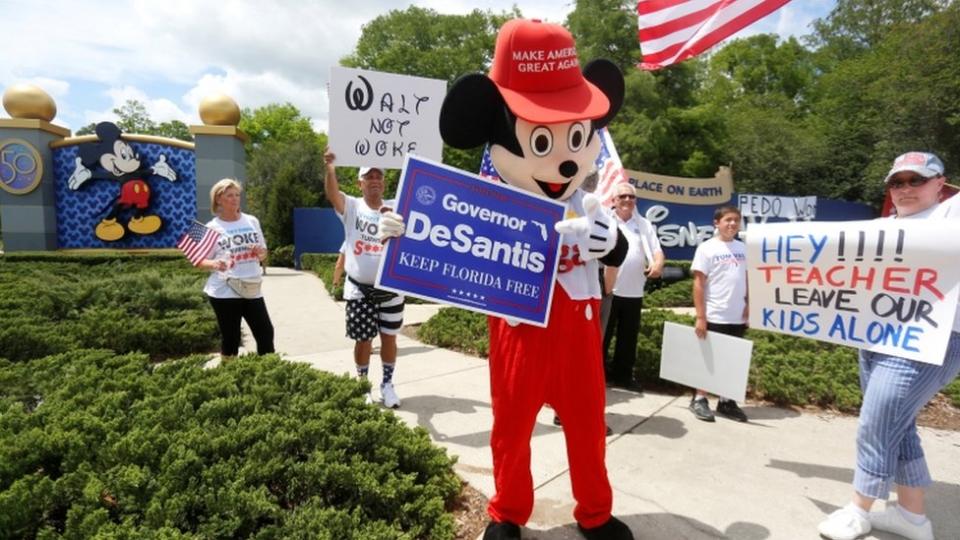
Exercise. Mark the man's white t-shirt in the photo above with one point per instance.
(725, 265)
(643, 245)
(363, 248)
(236, 247)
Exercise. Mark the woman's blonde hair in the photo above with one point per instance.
(218, 190)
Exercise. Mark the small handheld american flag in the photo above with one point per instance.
(198, 242)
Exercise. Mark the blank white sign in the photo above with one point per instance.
(719, 364)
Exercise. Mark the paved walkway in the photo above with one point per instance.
(673, 477)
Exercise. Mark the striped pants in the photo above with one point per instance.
(894, 391)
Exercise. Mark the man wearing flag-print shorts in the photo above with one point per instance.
(366, 319)
(370, 312)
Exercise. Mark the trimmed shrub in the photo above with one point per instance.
(281, 256)
(123, 303)
(677, 294)
(952, 391)
(322, 265)
(458, 329)
(94, 444)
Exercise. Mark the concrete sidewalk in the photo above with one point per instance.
(673, 476)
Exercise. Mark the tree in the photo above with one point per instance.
(422, 42)
(283, 175)
(855, 26)
(276, 122)
(606, 29)
(132, 117)
(903, 94)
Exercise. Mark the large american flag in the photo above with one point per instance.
(609, 168)
(671, 31)
(198, 242)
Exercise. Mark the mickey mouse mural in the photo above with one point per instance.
(539, 113)
(113, 158)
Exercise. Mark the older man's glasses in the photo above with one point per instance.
(626, 197)
(913, 181)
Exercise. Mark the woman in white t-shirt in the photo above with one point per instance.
(720, 297)
(233, 287)
(895, 389)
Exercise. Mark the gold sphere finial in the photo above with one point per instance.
(219, 110)
(26, 101)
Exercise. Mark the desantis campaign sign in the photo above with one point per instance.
(887, 286)
(471, 243)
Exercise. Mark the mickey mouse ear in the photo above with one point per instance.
(470, 111)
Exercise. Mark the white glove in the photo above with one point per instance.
(80, 175)
(391, 225)
(595, 233)
(161, 168)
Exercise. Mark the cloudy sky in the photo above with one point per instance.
(92, 56)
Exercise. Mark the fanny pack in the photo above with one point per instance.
(373, 294)
(245, 287)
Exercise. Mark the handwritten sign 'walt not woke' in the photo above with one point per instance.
(377, 118)
(883, 285)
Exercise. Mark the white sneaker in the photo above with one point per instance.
(368, 399)
(844, 524)
(389, 395)
(891, 520)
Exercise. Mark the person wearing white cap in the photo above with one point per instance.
(370, 311)
(895, 390)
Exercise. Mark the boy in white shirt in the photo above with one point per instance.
(720, 297)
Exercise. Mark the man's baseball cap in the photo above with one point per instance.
(365, 170)
(535, 67)
(925, 164)
(625, 188)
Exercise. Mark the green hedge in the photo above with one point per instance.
(676, 294)
(281, 256)
(322, 264)
(94, 444)
(53, 304)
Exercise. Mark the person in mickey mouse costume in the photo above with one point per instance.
(539, 113)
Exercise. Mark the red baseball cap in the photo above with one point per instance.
(535, 67)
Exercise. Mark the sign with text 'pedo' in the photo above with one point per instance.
(773, 206)
(887, 286)
(378, 118)
(474, 244)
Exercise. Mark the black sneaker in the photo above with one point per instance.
(701, 409)
(730, 409)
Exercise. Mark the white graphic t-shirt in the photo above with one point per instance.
(643, 243)
(578, 278)
(725, 265)
(363, 247)
(236, 247)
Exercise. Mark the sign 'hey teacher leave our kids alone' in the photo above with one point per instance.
(887, 286)
(471, 243)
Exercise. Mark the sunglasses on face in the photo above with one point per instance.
(913, 181)
(622, 197)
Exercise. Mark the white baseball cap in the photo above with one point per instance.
(925, 164)
(365, 170)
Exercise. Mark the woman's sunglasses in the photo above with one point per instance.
(913, 181)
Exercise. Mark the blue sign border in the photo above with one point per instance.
(420, 176)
